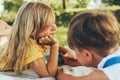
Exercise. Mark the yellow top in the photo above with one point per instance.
(36, 51)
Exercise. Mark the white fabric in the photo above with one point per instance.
(113, 71)
(26, 75)
(78, 70)
(3, 40)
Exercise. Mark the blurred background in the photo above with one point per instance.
(64, 11)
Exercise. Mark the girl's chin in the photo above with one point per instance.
(53, 35)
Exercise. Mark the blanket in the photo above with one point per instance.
(26, 75)
(78, 70)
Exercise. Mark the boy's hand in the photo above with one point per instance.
(68, 57)
(62, 76)
(66, 53)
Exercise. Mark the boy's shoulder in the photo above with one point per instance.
(111, 59)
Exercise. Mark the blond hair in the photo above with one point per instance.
(31, 18)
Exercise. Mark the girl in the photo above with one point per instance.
(33, 24)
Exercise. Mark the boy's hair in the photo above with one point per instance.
(96, 29)
(31, 18)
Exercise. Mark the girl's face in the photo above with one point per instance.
(48, 31)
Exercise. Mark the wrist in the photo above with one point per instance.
(55, 45)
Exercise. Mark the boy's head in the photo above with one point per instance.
(95, 30)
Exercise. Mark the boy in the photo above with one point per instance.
(94, 37)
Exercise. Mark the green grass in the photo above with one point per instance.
(62, 35)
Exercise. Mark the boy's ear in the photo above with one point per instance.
(88, 55)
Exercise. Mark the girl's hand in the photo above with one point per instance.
(48, 40)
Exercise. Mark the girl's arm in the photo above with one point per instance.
(39, 66)
(49, 69)
(52, 64)
(95, 75)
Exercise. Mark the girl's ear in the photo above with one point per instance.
(88, 55)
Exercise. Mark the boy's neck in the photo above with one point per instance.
(111, 51)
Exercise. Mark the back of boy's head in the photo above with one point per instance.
(97, 30)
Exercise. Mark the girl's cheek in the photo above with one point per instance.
(43, 34)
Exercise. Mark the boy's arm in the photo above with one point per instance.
(95, 75)
(70, 61)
